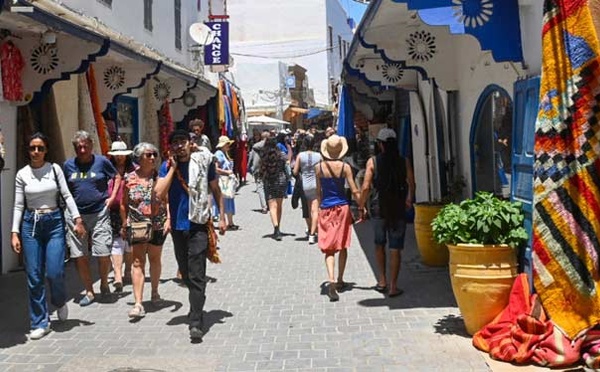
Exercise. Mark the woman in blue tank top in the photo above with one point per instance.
(335, 219)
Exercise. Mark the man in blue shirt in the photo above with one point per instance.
(187, 178)
(87, 176)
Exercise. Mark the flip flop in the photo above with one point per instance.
(396, 294)
(381, 289)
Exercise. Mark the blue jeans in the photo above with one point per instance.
(43, 239)
(395, 234)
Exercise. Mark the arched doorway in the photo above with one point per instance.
(491, 141)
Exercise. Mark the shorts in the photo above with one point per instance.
(158, 237)
(120, 246)
(97, 227)
(395, 236)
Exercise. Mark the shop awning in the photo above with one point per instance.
(440, 39)
(51, 12)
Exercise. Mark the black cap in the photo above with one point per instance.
(178, 133)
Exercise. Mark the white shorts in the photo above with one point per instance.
(120, 246)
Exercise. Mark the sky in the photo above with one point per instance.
(354, 9)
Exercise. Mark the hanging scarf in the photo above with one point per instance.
(100, 124)
(12, 63)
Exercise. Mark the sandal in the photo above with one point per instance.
(398, 293)
(233, 227)
(340, 285)
(155, 299)
(381, 288)
(137, 311)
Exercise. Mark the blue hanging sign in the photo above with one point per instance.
(217, 52)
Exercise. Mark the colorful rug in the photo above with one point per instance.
(566, 223)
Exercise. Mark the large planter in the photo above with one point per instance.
(481, 277)
(432, 253)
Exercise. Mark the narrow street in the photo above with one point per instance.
(266, 309)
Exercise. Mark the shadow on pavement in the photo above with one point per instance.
(210, 319)
(424, 286)
(160, 305)
(451, 325)
(69, 324)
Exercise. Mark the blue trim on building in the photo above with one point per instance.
(141, 84)
(190, 87)
(83, 67)
(387, 59)
(474, 121)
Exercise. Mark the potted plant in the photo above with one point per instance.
(482, 235)
(433, 253)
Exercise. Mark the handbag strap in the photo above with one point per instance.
(60, 196)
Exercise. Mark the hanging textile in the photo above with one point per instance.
(566, 227)
(345, 123)
(12, 71)
(166, 127)
(235, 106)
(85, 114)
(241, 157)
(228, 127)
(100, 124)
(220, 106)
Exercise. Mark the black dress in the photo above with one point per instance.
(276, 180)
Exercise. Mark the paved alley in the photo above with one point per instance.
(266, 310)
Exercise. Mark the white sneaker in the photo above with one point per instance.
(312, 239)
(63, 312)
(38, 333)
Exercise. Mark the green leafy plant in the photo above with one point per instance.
(484, 219)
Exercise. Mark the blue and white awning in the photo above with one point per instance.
(443, 39)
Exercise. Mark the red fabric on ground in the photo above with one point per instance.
(522, 333)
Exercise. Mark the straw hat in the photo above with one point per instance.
(334, 147)
(119, 148)
(224, 140)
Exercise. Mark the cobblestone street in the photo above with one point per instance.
(266, 309)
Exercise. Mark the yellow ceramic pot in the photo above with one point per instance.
(432, 253)
(482, 277)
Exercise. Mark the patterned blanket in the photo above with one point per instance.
(566, 218)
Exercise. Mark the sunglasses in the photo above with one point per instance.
(37, 148)
(149, 155)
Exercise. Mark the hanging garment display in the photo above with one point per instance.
(12, 63)
(566, 169)
(100, 124)
(221, 106)
(85, 115)
(165, 127)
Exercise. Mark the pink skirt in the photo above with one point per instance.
(335, 228)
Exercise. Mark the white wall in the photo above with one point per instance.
(288, 31)
(531, 17)
(8, 118)
(127, 17)
(338, 20)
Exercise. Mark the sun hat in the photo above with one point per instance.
(386, 134)
(224, 140)
(334, 147)
(119, 148)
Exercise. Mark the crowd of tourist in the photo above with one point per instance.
(121, 208)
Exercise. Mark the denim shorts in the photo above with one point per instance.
(395, 235)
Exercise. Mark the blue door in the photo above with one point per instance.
(526, 104)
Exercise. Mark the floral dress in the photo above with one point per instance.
(140, 207)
